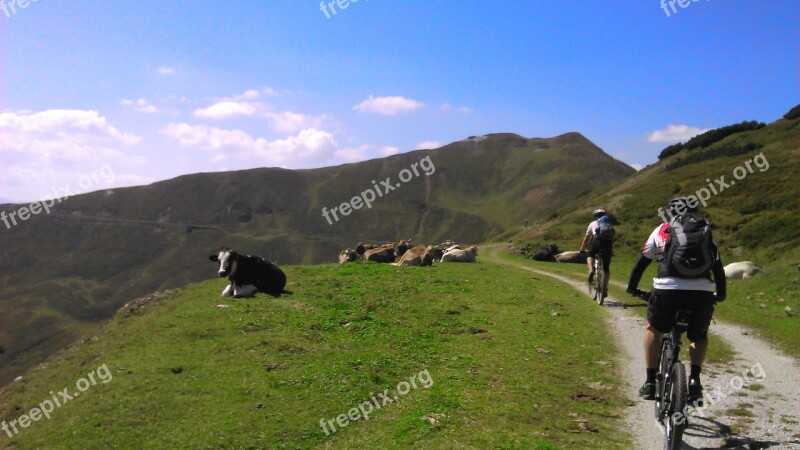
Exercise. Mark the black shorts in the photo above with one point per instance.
(663, 305)
(596, 247)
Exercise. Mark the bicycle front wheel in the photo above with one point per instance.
(675, 422)
(600, 279)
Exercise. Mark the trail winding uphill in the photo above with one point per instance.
(756, 396)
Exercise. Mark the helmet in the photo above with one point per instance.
(679, 206)
(598, 213)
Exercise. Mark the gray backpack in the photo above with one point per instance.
(690, 250)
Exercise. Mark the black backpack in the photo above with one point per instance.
(690, 250)
(605, 232)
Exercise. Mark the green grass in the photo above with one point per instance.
(506, 371)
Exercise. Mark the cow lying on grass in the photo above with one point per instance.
(248, 274)
(455, 254)
(741, 270)
(572, 257)
(417, 256)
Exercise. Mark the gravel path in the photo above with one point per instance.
(755, 398)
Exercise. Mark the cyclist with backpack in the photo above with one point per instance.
(587, 238)
(687, 257)
(600, 239)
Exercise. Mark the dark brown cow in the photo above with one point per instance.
(379, 255)
(417, 256)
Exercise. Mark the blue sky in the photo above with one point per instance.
(155, 89)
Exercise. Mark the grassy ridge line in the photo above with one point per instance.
(263, 372)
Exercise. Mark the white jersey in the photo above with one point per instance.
(655, 245)
(593, 227)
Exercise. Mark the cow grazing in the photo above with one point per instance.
(417, 256)
(248, 274)
(453, 254)
(379, 255)
(572, 257)
(348, 255)
(741, 270)
(546, 253)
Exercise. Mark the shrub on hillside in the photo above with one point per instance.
(793, 113)
(727, 150)
(711, 136)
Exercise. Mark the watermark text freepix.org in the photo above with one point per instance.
(668, 5)
(10, 6)
(720, 393)
(85, 182)
(376, 401)
(378, 190)
(702, 195)
(45, 408)
(326, 6)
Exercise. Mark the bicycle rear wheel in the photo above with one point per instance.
(675, 422)
(593, 283)
(600, 289)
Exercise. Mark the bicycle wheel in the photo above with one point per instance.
(593, 283)
(600, 282)
(675, 422)
(663, 380)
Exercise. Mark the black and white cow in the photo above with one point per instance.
(248, 274)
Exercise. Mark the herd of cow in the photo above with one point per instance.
(250, 274)
(551, 253)
(406, 253)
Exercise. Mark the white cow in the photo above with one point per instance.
(572, 257)
(458, 255)
(741, 270)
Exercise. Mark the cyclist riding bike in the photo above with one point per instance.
(687, 256)
(596, 214)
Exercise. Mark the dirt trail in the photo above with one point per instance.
(756, 397)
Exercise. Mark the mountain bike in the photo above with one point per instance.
(597, 288)
(672, 387)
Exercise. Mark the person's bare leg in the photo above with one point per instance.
(697, 351)
(652, 347)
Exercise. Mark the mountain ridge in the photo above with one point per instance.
(77, 266)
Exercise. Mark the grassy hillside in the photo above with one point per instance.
(497, 359)
(756, 218)
(65, 271)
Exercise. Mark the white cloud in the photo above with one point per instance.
(675, 133)
(246, 105)
(353, 154)
(141, 105)
(227, 108)
(389, 150)
(61, 134)
(428, 145)
(308, 147)
(163, 70)
(447, 107)
(54, 147)
(388, 106)
(638, 167)
(270, 92)
(288, 121)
